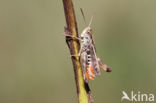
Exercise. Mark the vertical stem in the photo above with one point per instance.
(83, 91)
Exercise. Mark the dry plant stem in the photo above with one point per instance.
(83, 91)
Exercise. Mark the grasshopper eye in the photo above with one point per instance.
(89, 31)
(86, 37)
(81, 37)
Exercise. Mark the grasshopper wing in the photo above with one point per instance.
(94, 60)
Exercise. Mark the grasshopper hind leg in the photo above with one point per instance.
(104, 66)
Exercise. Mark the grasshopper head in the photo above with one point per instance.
(87, 30)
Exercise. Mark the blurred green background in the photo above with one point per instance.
(34, 59)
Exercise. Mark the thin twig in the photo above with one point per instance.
(83, 90)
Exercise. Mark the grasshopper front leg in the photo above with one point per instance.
(74, 37)
(67, 34)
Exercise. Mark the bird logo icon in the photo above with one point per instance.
(125, 96)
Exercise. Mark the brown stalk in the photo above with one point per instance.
(83, 90)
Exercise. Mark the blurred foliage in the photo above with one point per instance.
(34, 59)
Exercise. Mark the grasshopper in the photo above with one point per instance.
(90, 62)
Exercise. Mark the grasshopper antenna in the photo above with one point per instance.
(83, 16)
(91, 20)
